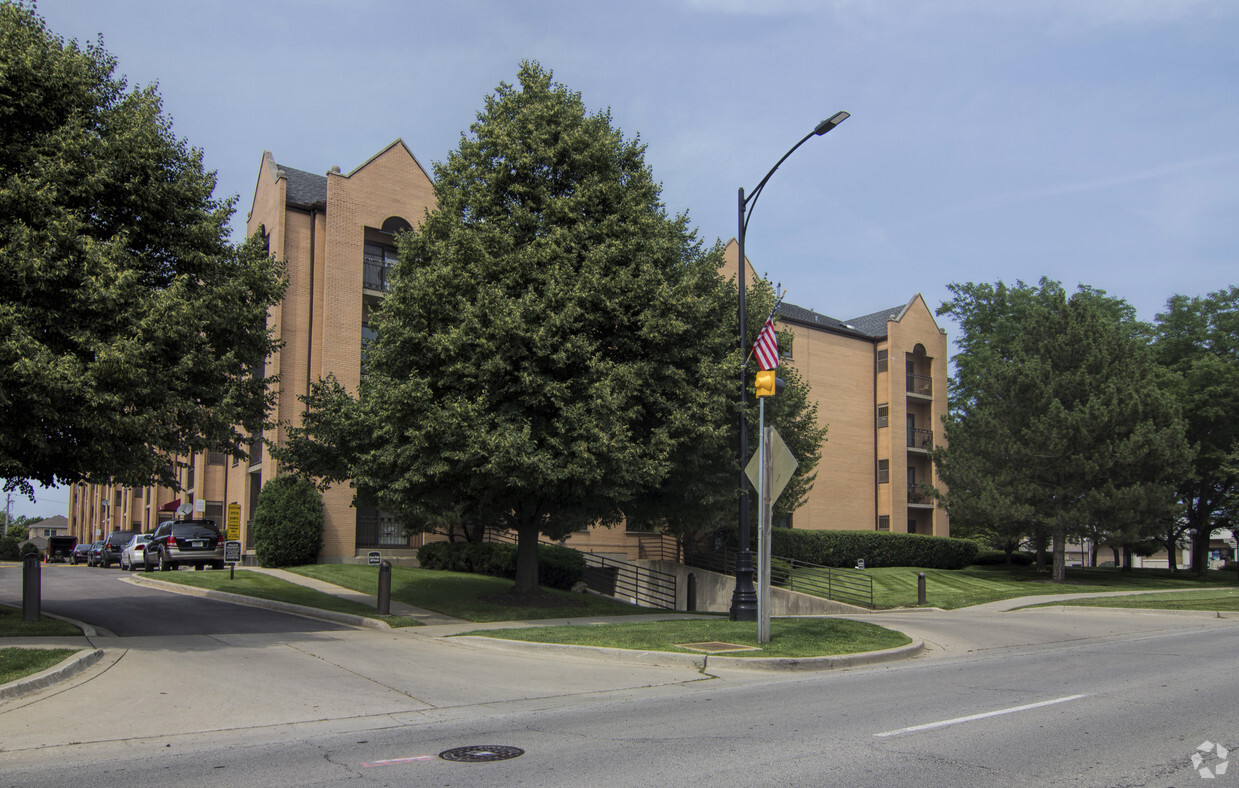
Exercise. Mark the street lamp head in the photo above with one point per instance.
(831, 122)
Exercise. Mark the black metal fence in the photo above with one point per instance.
(621, 579)
(850, 586)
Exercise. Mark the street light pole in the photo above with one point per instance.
(744, 598)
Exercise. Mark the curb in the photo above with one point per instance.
(700, 662)
(266, 604)
(70, 666)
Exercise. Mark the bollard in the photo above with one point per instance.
(691, 593)
(31, 589)
(920, 588)
(384, 605)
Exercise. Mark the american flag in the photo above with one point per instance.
(766, 348)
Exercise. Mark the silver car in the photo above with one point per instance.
(184, 542)
(134, 553)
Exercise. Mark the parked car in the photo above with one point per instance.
(185, 542)
(59, 548)
(112, 546)
(81, 553)
(134, 553)
(96, 550)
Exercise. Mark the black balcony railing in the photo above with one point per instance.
(920, 493)
(922, 385)
(920, 439)
(376, 275)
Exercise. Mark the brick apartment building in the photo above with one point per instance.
(880, 379)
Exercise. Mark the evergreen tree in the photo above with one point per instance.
(1060, 417)
(1198, 340)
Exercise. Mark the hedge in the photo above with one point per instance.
(558, 567)
(875, 548)
(992, 557)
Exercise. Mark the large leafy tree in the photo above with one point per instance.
(1060, 419)
(554, 349)
(1197, 338)
(130, 328)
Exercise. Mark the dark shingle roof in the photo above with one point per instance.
(871, 326)
(305, 189)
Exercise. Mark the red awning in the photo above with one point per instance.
(170, 506)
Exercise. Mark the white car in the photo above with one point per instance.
(134, 553)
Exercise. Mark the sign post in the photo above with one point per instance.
(234, 522)
(232, 556)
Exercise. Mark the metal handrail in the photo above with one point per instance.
(850, 586)
(920, 384)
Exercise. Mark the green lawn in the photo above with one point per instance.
(789, 637)
(256, 584)
(466, 596)
(13, 625)
(950, 589)
(17, 663)
(1212, 600)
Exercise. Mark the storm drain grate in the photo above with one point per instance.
(481, 753)
(715, 647)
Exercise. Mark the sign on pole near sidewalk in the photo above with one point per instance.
(770, 470)
(234, 522)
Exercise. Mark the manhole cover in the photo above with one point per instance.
(481, 753)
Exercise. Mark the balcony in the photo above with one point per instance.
(920, 440)
(920, 386)
(376, 275)
(921, 496)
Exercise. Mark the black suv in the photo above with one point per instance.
(194, 542)
(112, 546)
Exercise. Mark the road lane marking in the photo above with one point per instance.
(942, 724)
(391, 761)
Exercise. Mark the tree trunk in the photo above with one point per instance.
(1172, 558)
(526, 560)
(1039, 543)
(1059, 574)
(1126, 558)
(1200, 551)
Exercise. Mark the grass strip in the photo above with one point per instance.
(263, 586)
(18, 663)
(14, 625)
(789, 637)
(974, 585)
(1212, 601)
(466, 596)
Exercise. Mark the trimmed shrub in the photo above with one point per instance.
(30, 548)
(997, 557)
(10, 548)
(288, 523)
(558, 567)
(875, 548)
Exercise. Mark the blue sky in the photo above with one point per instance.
(1090, 141)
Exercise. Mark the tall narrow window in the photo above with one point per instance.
(881, 361)
(884, 522)
(883, 415)
(884, 471)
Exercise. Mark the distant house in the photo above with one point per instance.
(52, 526)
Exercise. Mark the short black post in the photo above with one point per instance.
(31, 588)
(691, 593)
(920, 588)
(384, 605)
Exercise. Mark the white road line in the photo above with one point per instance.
(970, 718)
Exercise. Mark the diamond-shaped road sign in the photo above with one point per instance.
(783, 465)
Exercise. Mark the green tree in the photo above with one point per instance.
(556, 351)
(1060, 419)
(131, 330)
(1198, 340)
(288, 522)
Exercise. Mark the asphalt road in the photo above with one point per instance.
(100, 597)
(1049, 697)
